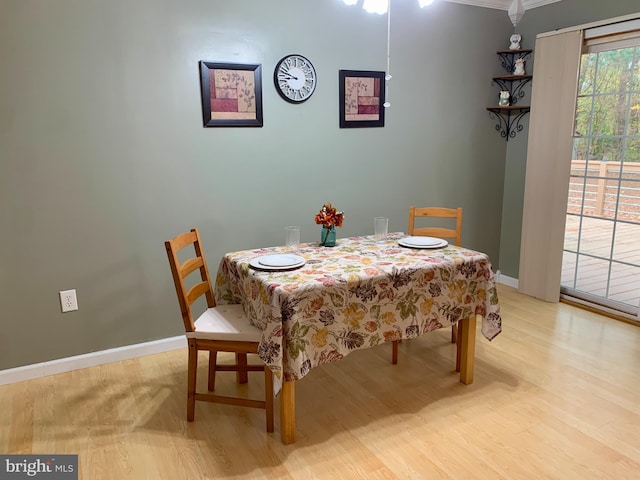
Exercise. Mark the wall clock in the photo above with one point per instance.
(295, 78)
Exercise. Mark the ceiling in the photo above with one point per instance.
(504, 4)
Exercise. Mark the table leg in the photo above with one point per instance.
(468, 349)
(288, 412)
(458, 328)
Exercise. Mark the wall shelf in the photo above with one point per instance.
(514, 84)
(509, 57)
(509, 116)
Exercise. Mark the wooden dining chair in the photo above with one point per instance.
(220, 328)
(417, 228)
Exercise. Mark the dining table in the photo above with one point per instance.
(361, 293)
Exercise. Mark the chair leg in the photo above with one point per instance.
(213, 362)
(242, 375)
(394, 352)
(191, 380)
(454, 333)
(268, 387)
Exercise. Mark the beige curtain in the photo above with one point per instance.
(551, 128)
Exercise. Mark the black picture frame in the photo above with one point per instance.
(231, 94)
(361, 95)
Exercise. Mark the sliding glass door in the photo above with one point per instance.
(601, 258)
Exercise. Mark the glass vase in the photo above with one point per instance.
(328, 236)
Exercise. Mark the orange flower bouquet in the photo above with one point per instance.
(330, 218)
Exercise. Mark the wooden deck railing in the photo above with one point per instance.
(600, 189)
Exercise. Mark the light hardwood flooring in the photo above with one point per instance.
(556, 396)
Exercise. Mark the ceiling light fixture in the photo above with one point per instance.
(376, 6)
(516, 12)
(381, 6)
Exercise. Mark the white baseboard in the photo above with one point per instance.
(504, 280)
(38, 370)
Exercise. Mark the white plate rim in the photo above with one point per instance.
(255, 263)
(420, 241)
(404, 243)
(295, 260)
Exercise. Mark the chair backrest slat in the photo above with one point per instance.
(197, 291)
(184, 239)
(436, 231)
(190, 266)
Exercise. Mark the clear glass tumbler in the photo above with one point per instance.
(381, 226)
(292, 236)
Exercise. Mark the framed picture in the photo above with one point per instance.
(231, 94)
(361, 95)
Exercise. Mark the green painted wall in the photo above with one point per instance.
(566, 13)
(103, 155)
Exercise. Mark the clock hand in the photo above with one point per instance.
(288, 76)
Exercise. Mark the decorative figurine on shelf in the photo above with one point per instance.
(515, 41)
(504, 98)
(519, 68)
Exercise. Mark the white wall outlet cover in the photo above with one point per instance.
(68, 300)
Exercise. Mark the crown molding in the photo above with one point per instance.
(504, 4)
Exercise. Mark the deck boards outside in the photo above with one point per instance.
(624, 285)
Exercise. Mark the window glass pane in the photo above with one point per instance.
(572, 229)
(587, 74)
(607, 149)
(609, 114)
(625, 248)
(632, 154)
(589, 195)
(568, 269)
(636, 69)
(629, 202)
(623, 284)
(580, 149)
(609, 197)
(576, 192)
(614, 70)
(583, 115)
(598, 242)
(634, 115)
(592, 274)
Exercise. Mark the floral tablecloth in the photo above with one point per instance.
(358, 294)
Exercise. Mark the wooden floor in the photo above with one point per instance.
(556, 396)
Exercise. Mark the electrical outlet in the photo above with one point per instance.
(68, 301)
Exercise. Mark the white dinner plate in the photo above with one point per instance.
(422, 242)
(280, 261)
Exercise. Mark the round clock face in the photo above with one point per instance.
(295, 78)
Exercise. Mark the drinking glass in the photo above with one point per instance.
(292, 236)
(381, 226)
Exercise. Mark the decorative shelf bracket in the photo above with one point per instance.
(508, 120)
